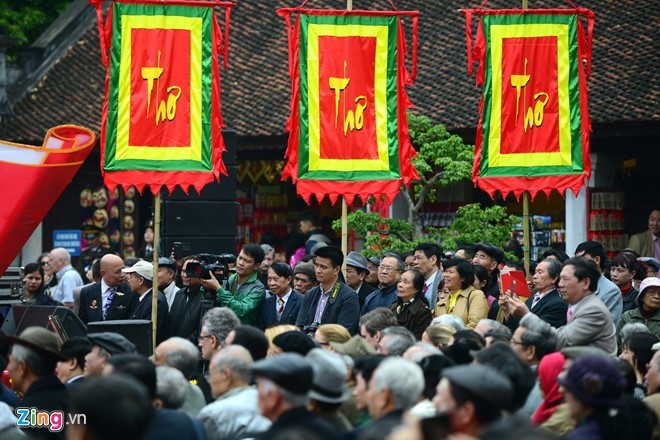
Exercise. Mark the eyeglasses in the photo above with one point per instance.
(514, 342)
(44, 263)
(653, 293)
(202, 337)
(387, 269)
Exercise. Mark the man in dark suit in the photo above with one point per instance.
(283, 305)
(357, 269)
(71, 372)
(140, 277)
(331, 302)
(110, 298)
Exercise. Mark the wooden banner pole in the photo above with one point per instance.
(154, 290)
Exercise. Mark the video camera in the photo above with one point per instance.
(216, 264)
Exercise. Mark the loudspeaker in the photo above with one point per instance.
(61, 320)
(138, 331)
(205, 222)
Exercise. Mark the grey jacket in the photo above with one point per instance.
(234, 415)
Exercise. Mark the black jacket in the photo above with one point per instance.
(365, 290)
(142, 310)
(552, 309)
(46, 394)
(415, 317)
(303, 423)
(268, 316)
(342, 309)
(91, 303)
(186, 312)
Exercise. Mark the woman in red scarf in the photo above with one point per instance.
(549, 368)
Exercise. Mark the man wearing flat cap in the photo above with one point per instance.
(32, 360)
(304, 278)
(357, 269)
(473, 397)
(283, 386)
(140, 280)
(167, 279)
(110, 298)
(105, 345)
(329, 389)
(489, 256)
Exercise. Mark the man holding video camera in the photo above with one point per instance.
(244, 293)
(186, 311)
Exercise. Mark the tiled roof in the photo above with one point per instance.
(624, 84)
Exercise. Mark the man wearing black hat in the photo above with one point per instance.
(283, 386)
(105, 345)
(32, 361)
(331, 302)
(356, 271)
(95, 249)
(110, 298)
(71, 371)
(167, 279)
(304, 278)
(489, 256)
(472, 397)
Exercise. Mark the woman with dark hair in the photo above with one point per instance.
(481, 278)
(410, 308)
(49, 279)
(637, 351)
(34, 286)
(459, 297)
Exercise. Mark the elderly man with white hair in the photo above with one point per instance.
(170, 388)
(182, 354)
(395, 387)
(235, 412)
(67, 277)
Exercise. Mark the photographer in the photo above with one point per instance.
(244, 293)
(186, 310)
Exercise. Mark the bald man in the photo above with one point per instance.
(110, 298)
(67, 277)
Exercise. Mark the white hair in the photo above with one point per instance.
(403, 378)
(171, 386)
(450, 320)
(236, 359)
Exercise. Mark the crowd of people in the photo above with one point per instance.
(421, 345)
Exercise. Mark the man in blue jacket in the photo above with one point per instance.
(331, 302)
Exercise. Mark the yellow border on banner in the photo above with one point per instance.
(316, 163)
(561, 158)
(194, 150)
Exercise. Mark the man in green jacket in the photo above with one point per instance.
(244, 293)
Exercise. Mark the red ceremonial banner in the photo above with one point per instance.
(32, 179)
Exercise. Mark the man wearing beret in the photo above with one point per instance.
(357, 269)
(105, 345)
(472, 397)
(304, 278)
(489, 256)
(283, 386)
(32, 360)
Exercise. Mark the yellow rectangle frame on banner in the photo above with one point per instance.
(194, 150)
(561, 158)
(316, 163)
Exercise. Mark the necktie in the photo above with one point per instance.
(569, 313)
(280, 307)
(108, 302)
(537, 298)
(425, 289)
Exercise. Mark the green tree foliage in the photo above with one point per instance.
(442, 160)
(27, 19)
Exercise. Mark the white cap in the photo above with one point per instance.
(142, 268)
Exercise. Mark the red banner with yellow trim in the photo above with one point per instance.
(161, 118)
(348, 132)
(533, 132)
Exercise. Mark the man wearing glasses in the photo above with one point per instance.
(389, 273)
